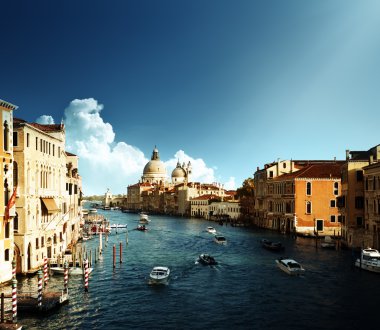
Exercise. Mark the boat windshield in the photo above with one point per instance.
(294, 265)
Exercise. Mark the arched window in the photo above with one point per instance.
(15, 174)
(7, 231)
(6, 136)
(308, 207)
(6, 255)
(308, 188)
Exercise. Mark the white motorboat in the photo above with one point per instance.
(144, 218)
(220, 239)
(369, 260)
(72, 270)
(159, 275)
(118, 225)
(328, 243)
(211, 230)
(290, 266)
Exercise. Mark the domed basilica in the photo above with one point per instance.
(155, 171)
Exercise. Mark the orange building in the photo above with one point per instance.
(305, 202)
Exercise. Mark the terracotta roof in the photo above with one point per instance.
(69, 153)
(48, 127)
(322, 171)
(205, 197)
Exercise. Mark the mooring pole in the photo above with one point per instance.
(14, 301)
(46, 275)
(39, 301)
(86, 275)
(66, 277)
(114, 256)
(2, 308)
(121, 252)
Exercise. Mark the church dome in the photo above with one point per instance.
(154, 167)
(178, 172)
(154, 170)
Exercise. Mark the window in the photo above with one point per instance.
(359, 202)
(308, 188)
(15, 223)
(359, 175)
(37, 246)
(27, 140)
(308, 207)
(42, 241)
(332, 218)
(6, 255)
(15, 174)
(15, 139)
(359, 221)
(271, 174)
(339, 218)
(333, 203)
(336, 188)
(5, 136)
(284, 165)
(36, 143)
(341, 201)
(7, 229)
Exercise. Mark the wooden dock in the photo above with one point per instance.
(28, 303)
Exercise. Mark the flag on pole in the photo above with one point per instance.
(11, 202)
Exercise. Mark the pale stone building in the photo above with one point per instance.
(41, 206)
(72, 206)
(225, 210)
(8, 193)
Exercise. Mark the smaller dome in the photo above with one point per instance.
(178, 172)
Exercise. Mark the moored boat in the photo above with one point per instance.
(141, 228)
(290, 266)
(272, 246)
(328, 243)
(369, 260)
(159, 275)
(118, 225)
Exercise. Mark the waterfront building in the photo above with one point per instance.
(355, 231)
(372, 202)
(41, 206)
(134, 195)
(305, 202)
(230, 210)
(72, 207)
(200, 206)
(298, 196)
(9, 191)
(155, 170)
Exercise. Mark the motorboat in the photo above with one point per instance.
(272, 246)
(328, 243)
(159, 275)
(72, 270)
(144, 218)
(92, 210)
(211, 230)
(142, 228)
(369, 260)
(220, 239)
(118, 225)
(290, 266)
(206, 259)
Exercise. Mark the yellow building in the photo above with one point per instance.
(7, 193)
(42, 222)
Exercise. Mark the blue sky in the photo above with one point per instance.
(229, 85)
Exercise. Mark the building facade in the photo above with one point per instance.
(42, 211)
(9, 191)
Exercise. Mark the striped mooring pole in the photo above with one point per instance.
(46, 275)
(39, 301)
(66, 276)
(86, 276)
(14, 300)
(14, 292)
(114, 256)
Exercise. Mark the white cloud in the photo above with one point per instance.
(105, 163)
(230, 184)
(45, 120)
(102, 162)
(200, 171)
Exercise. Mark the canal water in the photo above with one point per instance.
(245, 290)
